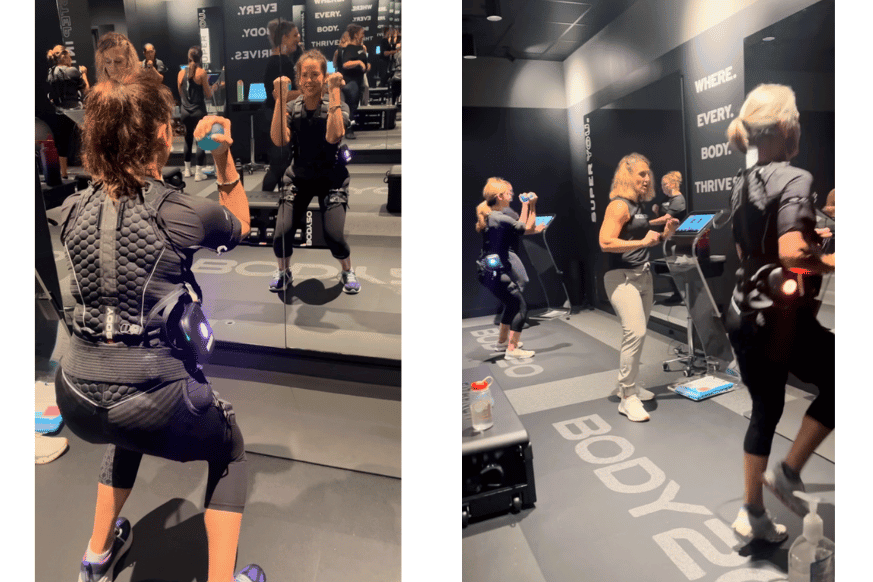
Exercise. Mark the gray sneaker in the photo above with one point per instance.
(748, 527)
(281, 280)
(350, 281)
(783, 487)
(102, 571)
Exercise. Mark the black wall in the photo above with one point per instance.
(530, 149)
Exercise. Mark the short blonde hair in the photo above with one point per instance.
(672, 179)
(767, 110)
(622, 181)
(493, 188)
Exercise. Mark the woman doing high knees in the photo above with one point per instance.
(771, 319)
(497, 271)
(314, 126)
(626, 237)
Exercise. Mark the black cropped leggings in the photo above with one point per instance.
(190, 124)
(508, 292)
(767, 353)
(292, 217)
(162, 422)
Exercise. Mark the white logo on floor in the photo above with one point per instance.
(266, 269)
(513, 368)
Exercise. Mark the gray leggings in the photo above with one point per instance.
(181, 421)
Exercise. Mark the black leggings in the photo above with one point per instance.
(64, 134)
(505, 289)
(180, 421)
(190, 124)
(292, 217)
(767, 349)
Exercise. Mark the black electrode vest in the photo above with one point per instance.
(320, 156)
(63, 90)
(634, 229)
(755, 212)
(122, 264)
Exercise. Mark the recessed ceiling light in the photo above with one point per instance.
(492, 9)
(768, 38)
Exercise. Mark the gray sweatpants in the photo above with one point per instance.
(631, 293)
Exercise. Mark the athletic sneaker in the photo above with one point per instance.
(199, 176)
(642, 394)
(281, 280)
(501, 347)
(102, 571)
(251, 573)
(350, 282)
(350, 134)
(187, 173)
(748, 527)
(783, 487)
(633, 409)
(518, 354)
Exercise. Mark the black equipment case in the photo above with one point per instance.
(376, 117)
(392, 178)
(497, 464)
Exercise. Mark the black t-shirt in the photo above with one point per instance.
(352, 52)
(65, 84)
(158, 66)
(675, 207)
(313, 155)
(634, 229)
(278, 66)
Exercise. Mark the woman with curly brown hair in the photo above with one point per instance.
(115, 57)
(125, 381)
(625, 237)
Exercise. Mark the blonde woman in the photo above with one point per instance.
(497, 272)
(774, 332)
(675, 206)
(626, 237)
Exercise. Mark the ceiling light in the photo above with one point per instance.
(492, 10)
(768, 38)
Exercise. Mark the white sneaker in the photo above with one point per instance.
(642, 393)
(199, 176)
(519, 354)
(748, 528)
(501, 347)
(187, 173)
(633, 409)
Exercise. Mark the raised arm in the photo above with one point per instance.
(231, 193)
(280, 133)
(336, 128)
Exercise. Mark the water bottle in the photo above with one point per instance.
(240, 91)
(207, 144)
(811, 557)
(481, 402)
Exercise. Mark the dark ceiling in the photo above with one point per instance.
(805, 41)
(544, 30)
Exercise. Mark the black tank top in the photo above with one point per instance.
(193, 99)
(634, 229)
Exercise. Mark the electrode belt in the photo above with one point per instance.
(119, 363)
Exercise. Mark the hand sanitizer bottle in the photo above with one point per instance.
(811, 557)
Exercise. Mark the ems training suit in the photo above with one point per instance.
(628, 283)
(500, 237)
(65, 86)
(119, 386)
(774, 337)
(315, 172)
(193, 109)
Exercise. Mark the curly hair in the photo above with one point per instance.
(120, 140)
(311, 55)
(623, 180)
(672, 179)
(109, 41)
(54, 54)
(493, 188)
(769, 113)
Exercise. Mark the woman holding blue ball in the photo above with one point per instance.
(194, 90)
(313, 125)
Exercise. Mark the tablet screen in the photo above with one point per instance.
(546, 220)
(695, 223)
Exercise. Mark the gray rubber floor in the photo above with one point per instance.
(597, 516)
(315, 314)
